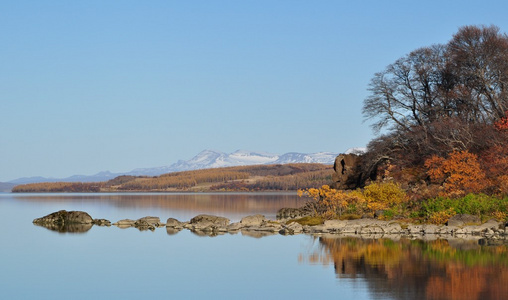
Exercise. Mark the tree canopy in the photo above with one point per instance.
(440, 98)
(443, 100)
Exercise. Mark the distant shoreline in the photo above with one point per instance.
(256, 178)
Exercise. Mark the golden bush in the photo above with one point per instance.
(331, 203)
(441, 217)
(383, 195)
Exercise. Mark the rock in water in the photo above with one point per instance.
(65, 217)
(66, 221)
(215, 220)
(255, 220)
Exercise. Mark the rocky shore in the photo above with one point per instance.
(463, 226)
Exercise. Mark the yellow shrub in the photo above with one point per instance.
(383, 195)
(499, 216)
(331, 203)
(441, 217)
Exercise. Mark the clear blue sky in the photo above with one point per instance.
(89, 86)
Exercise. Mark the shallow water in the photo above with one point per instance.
(109, 262)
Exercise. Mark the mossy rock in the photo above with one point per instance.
(309, 221)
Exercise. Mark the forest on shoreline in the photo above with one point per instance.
(287, 177)
(440, 114)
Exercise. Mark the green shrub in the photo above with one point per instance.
(480, 205)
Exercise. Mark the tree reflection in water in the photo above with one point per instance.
(416, 269)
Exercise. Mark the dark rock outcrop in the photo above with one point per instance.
(348, 172)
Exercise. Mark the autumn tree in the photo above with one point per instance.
(441, 99)
(460, 173)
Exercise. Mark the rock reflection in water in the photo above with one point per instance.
(414, 269)
(67, 228)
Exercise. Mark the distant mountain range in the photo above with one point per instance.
(204, 160)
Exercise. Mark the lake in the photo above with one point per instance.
(109, 262)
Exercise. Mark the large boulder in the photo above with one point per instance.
(66, 221)
(348, 172)
(208, 224)
(65, 217)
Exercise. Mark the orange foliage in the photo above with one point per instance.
(460, 173)
(502, 124)
(495, 163)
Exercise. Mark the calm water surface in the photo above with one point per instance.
(126, 263)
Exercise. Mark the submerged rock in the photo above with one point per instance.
(174, 223)
(101, 222)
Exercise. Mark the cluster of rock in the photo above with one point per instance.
(258, 225)
(490, 229)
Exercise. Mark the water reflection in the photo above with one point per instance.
(66, 228)
(223, 204)
(415, 269)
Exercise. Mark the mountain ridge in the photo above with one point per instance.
(206, 159)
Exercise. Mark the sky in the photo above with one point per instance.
(90, 86)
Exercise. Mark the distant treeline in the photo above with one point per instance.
(50, 187)
(245, 178)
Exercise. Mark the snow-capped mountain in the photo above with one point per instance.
(214, 159)
(205, 160)
(320, 157)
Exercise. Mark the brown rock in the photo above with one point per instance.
(348, 171)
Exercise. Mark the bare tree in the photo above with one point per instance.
(440, 98)
(479, 59)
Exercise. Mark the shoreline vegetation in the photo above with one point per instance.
(287, 177)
